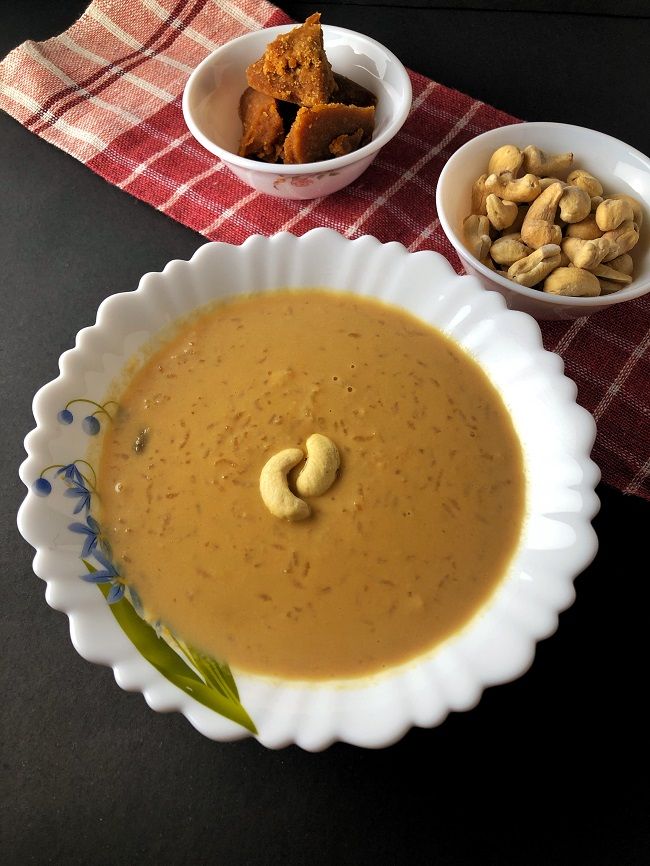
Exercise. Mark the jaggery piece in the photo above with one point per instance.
(350, 93)
(263, 133)
(344, 144)
(294, 66)
(316, 129)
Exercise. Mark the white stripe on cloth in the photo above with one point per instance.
(61, 125)
(239, 15)
(141, 83)
(185, 187)
(564, 343)
(106, 22)
(193, 34)
(623, 374)
(35, 54)
(411, 172)
(424, 234)
(229, 212)
(639, 478)
(143, 166)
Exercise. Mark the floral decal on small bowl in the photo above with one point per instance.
(293, 180)
(208, 681)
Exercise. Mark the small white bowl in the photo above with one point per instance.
(619, 167)
(496, 645)
(211, 102)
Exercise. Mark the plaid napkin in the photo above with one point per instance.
(108, 92)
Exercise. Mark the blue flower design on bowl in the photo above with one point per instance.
(107, 574)
(208, 681)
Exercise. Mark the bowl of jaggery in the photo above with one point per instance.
(298, 111)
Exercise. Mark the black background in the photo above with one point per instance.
(551, 769)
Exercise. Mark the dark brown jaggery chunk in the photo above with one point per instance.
(263, 128)
(350, 93)
(344, 144)
(294, 66)
(316, 128)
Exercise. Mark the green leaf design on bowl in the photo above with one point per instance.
(214, 688)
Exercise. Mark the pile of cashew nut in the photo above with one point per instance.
(316, 477)
(566, 237)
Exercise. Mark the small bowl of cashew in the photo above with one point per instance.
(551, 216)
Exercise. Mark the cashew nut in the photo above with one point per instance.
(612, 212)
(522, 210)
(622, 239)
(623, 264)
(538, 228)
(608, 288)
(319, 472)
(585, 254)
(545, 182)
(501, 214)
(536, 266)
(575, 204)
(479, 195)
(509, 249)
(542, 164)
(587, 229)
(574, 282)
(585, 181)
(604, 272)
(507, 187)
(595, 201)
(506, 158)
(477, 235)
(636, 206)
(274, 488)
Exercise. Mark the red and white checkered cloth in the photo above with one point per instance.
(108, 92)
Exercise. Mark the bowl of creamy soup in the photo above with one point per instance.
(310, 489)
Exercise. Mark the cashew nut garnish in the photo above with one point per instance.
(506, 158)
(319, 472)
(501, 214)
(274, 487)
(547, 181)
(479, 195)
(573, 282)
(539, 226)
(553, 218)
(611, 213)
(585, 254)
(574, 204)
(542, 164)
(604, 272)
(622, 239)
(587, 229)
(609, 288)
(585, 181)
(636, 206)
(536, 266)
(623, 264)
(508, 249)
(477, 235)
(510, 188)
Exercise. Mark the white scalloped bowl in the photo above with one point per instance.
(497, 645)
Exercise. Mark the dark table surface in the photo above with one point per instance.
(551, 769)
